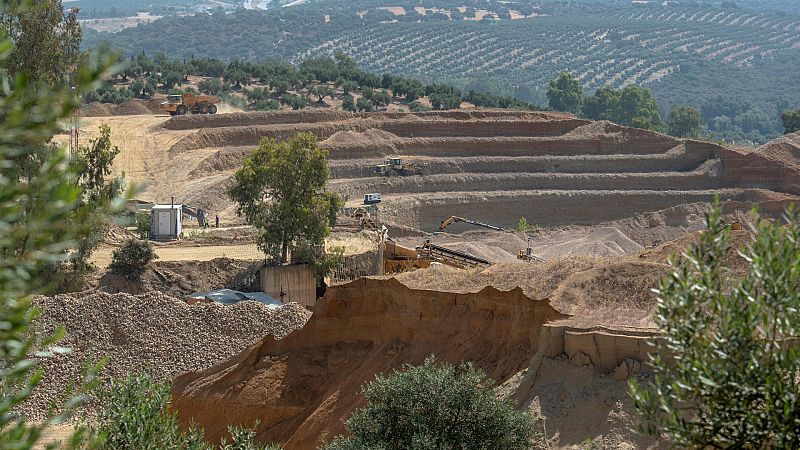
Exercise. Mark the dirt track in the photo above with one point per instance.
(102, 257)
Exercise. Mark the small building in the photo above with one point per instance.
(290, 283)
(166, 221)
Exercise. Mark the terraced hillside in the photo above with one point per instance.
(492, 166)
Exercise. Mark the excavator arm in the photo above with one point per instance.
(452, 219)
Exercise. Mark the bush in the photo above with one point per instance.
(726, 367)
(416, 106)
(348, 103)
(132, 258)
(436, 406)
(136, 415)
(143, 225)
(523, 225)
(267, 105)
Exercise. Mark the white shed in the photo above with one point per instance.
(166, 221)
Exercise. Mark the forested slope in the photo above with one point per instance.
(684, 54)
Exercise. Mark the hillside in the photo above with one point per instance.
(684, 54)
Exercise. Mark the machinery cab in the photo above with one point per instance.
(394, 162)
(371, 199)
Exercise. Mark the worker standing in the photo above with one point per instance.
(216, 219)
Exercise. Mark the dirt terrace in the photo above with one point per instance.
(493, 166)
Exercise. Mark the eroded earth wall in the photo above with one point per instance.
(301, 388)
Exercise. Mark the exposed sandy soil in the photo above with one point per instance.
(552, 332)
(463, 153)
(300, 388)
(102, 257)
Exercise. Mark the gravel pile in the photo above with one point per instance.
(149, 331)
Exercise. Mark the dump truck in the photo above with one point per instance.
(180, 104)
(395, 166)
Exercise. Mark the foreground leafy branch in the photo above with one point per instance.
(726, 369)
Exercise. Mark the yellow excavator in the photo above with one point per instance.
(180, 104)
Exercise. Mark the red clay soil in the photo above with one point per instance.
(303, 387)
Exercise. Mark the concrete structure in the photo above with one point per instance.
(166, 222)
(293, 283)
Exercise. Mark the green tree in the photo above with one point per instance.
(46, 40)
(791, 121)
(212, 86)
(436, 406)
(349, 86)
(92, 164)
(382, 98)
(565, 93)
(523, 225)
(726, 365)
(364, 105)
(36, 218)
(602, 105)
(321, 92)
(348, 103)
(637, 108)
(684, 121)
(287, 210)
(144, 225)
(170, 79)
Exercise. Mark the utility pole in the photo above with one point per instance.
(73, 135)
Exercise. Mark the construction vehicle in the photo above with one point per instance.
(371, 199)
(453, 219)
(364, 219)
(180, 104)
(527, 254)
(195, 213)
(395, 166)
(433, 252)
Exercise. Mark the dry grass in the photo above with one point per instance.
(613, 293)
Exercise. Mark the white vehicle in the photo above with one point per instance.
(371, 199)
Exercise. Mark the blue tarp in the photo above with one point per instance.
(230, 297)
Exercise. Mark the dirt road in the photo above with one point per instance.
(102, 257)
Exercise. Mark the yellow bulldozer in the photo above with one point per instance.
(396, 166)
(180, 104)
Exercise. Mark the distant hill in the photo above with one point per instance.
(684, 54)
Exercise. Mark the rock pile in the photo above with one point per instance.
(150, 331)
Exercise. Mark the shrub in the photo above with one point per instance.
(364, 105)
(243, 438)
(436, 406)
(143, 225)
(267, 105)
(135, 415)
(348, 103)
(523, 225)
(726, 367)
(416, 106)
(132, 258)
